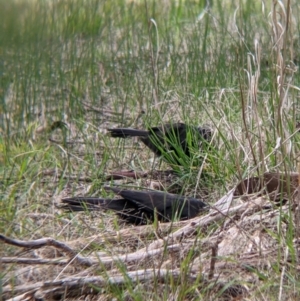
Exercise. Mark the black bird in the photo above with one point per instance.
(168, 140)
(137, 207)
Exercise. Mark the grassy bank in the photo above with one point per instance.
(71, 69)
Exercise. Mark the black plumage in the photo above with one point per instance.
(137, 207)
(169, 140)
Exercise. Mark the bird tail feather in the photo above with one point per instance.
(92, 204)
(127, 132)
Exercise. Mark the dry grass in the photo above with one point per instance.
(245, 249)
(222, 255)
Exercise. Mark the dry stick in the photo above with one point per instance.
(47, 241)
(213, 259)
(24, 297)
(82, 284)
(107, 261)
(136, 256)
(18, 260)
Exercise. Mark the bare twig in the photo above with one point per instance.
(33, 261)
(39, 243)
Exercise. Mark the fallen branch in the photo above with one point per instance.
(39, 243)
(80, 285)
(34, 261)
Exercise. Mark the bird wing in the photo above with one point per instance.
(167, 205)
(127, 132)
(126, 209)
(143, 198)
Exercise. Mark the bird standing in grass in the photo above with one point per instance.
(170, 141)
(138, 207)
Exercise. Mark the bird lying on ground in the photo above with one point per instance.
(169, 140)
(138, 207)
